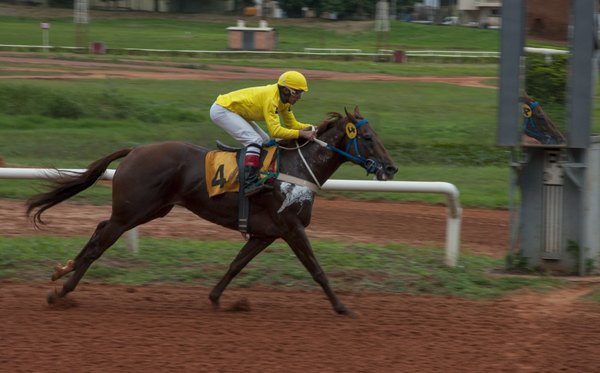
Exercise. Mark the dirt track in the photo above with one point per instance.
(34, 68)
(172, 328)
(164, 328)
(483, 231)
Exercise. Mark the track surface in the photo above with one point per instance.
(22, 67)
(173, 328)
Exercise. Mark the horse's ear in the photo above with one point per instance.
(357, 112)
(350, 116)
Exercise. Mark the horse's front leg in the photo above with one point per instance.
(301, 246)
(251, 249)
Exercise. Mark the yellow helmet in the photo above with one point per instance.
(293, 80)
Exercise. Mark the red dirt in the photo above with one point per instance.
(173, 328)
(63, 69)
(483, 231)
(163, 328)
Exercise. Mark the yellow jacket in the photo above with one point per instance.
(263, 103)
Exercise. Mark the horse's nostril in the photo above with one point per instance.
(391, 170)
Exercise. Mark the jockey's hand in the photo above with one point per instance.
(308, 133)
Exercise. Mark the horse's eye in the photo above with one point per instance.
(368, 136)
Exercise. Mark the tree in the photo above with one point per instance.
(345, 9)
(293, 8)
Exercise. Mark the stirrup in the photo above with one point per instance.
(253, 189)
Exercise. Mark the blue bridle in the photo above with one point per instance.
(368, 164)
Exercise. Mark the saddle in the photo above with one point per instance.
(222, 168)
(223, 176)
(227, 148)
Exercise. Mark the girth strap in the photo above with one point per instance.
(296, 180)
(244, 204)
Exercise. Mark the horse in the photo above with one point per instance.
(538, 128)
(151, 179)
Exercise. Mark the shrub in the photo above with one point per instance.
(62, 107)
(61, 3)
(546, 80)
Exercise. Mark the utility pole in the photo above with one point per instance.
(81, 19)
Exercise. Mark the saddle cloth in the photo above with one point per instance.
(222, 174)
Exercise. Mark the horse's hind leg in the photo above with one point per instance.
(105, 235)
(300, 244)
(60, 271)
(251, 249)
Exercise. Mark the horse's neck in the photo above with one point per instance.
(318, 161)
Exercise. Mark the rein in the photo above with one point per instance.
(369, 165)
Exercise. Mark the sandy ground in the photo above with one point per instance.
(167, 328)
(22, 67)
(483, 231)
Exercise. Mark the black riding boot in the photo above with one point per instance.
(251, 186)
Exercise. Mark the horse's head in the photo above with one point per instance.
(356, 139)
(532, 108)
(535, 118)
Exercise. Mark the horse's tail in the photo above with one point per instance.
(67, 186)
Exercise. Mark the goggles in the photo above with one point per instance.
(295, 93)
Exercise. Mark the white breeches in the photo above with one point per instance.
(239, 128)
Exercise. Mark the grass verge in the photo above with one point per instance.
(351, 267)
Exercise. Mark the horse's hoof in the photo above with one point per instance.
(51, 297)
(214, 303)
(345, 311)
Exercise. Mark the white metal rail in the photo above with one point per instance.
(453, 223)
(307, 51)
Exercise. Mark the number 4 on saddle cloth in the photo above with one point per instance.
(222, 171)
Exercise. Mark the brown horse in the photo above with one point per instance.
(538, 128)
(152, 179)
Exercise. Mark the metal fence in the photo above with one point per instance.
(453, 222)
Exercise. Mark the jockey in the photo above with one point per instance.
(235, 112)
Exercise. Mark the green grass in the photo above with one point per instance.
(204, 34)
(435, 132)
(141, 110)
(72, 123)
(350, 267)
(483, 186)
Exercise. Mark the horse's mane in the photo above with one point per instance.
(331, 119)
